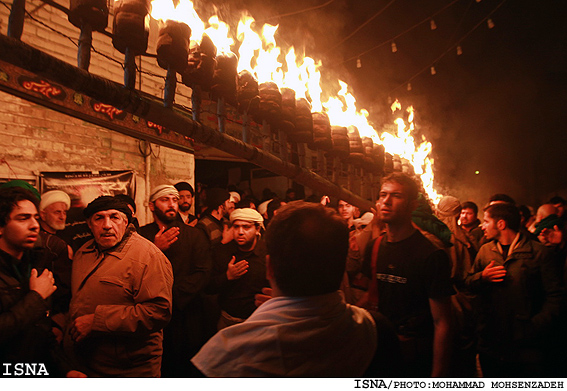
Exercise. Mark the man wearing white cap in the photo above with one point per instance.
(53, 210)
(187, 248)
(239, 268)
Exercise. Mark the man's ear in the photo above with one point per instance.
(269, 270)
(413, 204)
(42, 215)
(152, 206)
(501, 225)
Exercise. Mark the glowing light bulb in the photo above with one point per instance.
(394, 47)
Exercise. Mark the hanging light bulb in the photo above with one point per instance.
(432, 24)
(478, 1)
(490, 23)
(409, 86)
(433, 71)
(394, 47)
(358, 63)
(459, 50)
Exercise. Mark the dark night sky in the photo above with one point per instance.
(498, 108)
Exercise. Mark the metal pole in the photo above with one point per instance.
(16, 19)
(85, 45)
(129, 69)
(170, 86)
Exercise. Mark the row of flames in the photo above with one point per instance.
(259, 53)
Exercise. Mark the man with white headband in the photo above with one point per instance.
(239, 268)
(53, 210)
(187, 248)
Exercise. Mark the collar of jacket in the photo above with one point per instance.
(520, 244)
(118, 250)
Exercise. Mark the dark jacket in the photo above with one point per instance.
(190, 258)
(517, 315)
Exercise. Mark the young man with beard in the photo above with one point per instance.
(469, 221)
(239, 268)
(186, 196)
(521, 297)
(410, 282)
(211, 222)
(188, 250)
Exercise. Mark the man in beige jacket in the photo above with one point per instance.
(121, 297)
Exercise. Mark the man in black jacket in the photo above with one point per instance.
(188, 250)
(25, 331)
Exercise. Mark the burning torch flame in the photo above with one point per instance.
(260, 54)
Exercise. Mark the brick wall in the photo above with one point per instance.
(34, 138)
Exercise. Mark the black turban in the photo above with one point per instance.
(106, 203)
(185, 186)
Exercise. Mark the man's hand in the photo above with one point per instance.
(236, 270)
(261, 298)
(44, 284)
(551, 237)
(81, 327)
(493, 273)
(164, 239)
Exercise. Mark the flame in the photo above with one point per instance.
(259, 53)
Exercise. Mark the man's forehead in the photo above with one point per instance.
(24, 207)
(57, 206)
(185, 193)
(393, 187)
(108, 212)
(242, 222)
(167, 197)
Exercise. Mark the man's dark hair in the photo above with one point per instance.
(502, 198)
(470, 205)
(273, 205)
(406, 181)
(180, 186)
(9, 198)
(557, 200)
(307, 244)
(126, 199)
(507, 212)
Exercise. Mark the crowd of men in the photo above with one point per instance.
(283, 287)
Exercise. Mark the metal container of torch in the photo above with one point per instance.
(172, 54)
(130, 31)
(224, 85)
(89, 16)
(198, 75)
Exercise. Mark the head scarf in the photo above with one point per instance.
(234, 197)
(52, 197)
(163, 190)
(247, 214)
(107, 203)
(22, 183)
(180, 186)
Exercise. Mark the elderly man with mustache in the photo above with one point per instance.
(121, 297)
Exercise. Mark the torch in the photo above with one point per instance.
(303, 130)
(340, 150)
(269, 107)
(248, 98)
(198, 75)
(130, 30)
(287, 122)
(224, 84)
(89, 16)
(322, 140)
(172, 53)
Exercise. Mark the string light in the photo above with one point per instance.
(433, 71)
(394, 47)
(459, 50)
(358, 63)
(432, 24)
(409, 86)
(490, 23)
